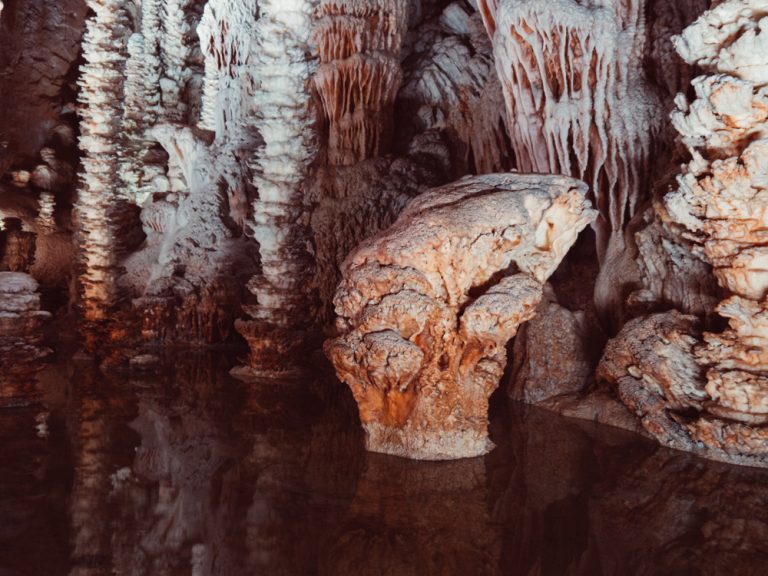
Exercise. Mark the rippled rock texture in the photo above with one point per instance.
(427, 307)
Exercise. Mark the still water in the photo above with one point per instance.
(186, 471)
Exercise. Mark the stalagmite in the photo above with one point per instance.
(101, 97)
(284, 119)
(21, 318)
(359, 45)
(427, 307)
(720, 202)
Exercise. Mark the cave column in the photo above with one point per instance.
(281, 315)
(101, 97)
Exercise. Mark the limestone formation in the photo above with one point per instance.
(427, 307)
(101, 96)
(281, 312)
(452, 86)
(577, 99)
(359, 74)
(710, 396)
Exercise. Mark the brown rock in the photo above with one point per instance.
(427, 307)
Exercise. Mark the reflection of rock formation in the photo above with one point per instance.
(427, 307)
(412, 518)
(305, 461)
(97, 420)
(186, 471)
(584, 500)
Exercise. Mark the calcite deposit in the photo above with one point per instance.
(359, 74)
(427, 307)
(577, 98)
(21, 318)
(706, 392)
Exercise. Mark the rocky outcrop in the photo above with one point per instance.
(551, 357)
(427, 307)
(359, 75)
(709, 396)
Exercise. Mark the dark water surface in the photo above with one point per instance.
(188, 472)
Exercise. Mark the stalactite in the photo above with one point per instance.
(284, 121)
(226, 31)
(101, 97)
(359, 75)
(452, 86)
(578, 101)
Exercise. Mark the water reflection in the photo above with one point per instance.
(187, 471)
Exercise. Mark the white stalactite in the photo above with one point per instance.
(101, 97)
(284, 119)
(577, 99)
(226, 32)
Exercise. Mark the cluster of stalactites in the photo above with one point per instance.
(577, 99)
(358, 44)
(226, 32)
(723, 193)
(101, 96)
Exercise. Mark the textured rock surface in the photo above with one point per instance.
(281, 314)
(451, 85)
(709, 396)
(359, 43)
(577, 98)
(551, 356)
(101, 97)
(427, 307)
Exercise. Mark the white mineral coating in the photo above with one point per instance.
(426, 308)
